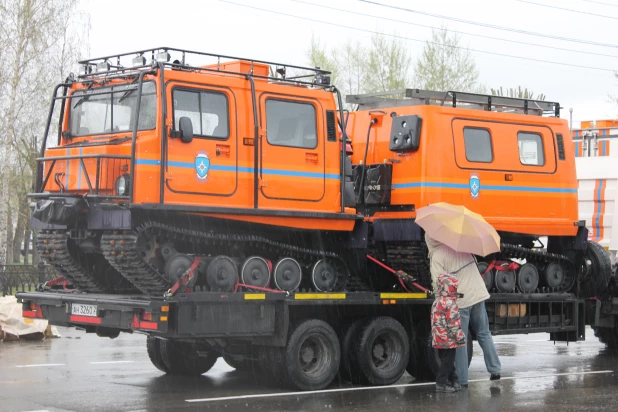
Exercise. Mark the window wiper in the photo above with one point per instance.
(82, 100)
(128, 92)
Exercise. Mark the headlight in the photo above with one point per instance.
(122, 185)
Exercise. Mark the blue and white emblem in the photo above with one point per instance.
(202, 165)
(475, 186)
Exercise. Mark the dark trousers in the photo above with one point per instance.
(446, 373)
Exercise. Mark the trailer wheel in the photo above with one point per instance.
(598, 272)
(182, 358)
(418, 365)
(312, 356)
(608, 336)
(270, 361)
(153, 347)
(382, 352)
(348, 366)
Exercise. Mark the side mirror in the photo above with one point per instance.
(186, 129)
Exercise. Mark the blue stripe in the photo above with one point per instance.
(431, 184)
(79, 176)
(275, 172)
(604, 146)
(531, 189)
(147, 162)
(486, 187)
(576, 149)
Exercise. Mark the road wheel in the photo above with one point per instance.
(433, 358)
(182, 358)
(348, 366)
(153, 346)
(382, 352)
(312, 356)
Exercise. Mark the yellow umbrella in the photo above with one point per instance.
(458, 228)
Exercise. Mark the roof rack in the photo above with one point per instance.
(125, 63)
(410, 97)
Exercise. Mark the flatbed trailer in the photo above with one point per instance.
(256, 330)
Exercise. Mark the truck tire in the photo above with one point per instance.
(153, 348)
(596, 281)
(382, 352)
(182, 358)
(248, 361)
(418, 365)
(311, 356)
(348, 366)
(271, 363)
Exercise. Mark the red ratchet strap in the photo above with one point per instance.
(501, 265)
(261, 289)
(58, 281)
(399, 273)
(185, 279)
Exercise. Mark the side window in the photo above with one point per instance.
(208, 112)
(530, 149)
(291, 124)
(478, 145)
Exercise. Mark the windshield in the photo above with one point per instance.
(111, 109)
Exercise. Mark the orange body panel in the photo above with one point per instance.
(518, 198)
(514, 197)
(290, 178)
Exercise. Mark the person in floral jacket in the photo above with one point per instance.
(446, 332)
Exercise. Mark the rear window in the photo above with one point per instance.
(530, 149)
(478, 145)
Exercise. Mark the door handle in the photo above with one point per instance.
(311, 158)
(222, 150)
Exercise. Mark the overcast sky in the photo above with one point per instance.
(235, 29)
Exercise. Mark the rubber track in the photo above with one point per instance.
(411, 258)
(53, 247)
(120, 249)
(536, 256)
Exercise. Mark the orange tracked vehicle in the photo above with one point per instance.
(158, 164)
(228, 208)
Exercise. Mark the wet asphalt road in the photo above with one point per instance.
(81, 372)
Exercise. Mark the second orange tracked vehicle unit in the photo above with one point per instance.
(263, 180)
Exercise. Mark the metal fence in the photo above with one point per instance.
(24, 278)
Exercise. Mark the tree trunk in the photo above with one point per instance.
(9, 235)
(35, 252)
(27, 239)
(20, 229)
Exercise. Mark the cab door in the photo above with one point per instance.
(204, 171)
(292, 152)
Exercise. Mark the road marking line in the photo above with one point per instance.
(368, 388)
(539, 340)
(38, 365)
(107, 362)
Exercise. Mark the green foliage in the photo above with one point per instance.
(384, 64)
(388, 65)
(446, 65)
(518, 93)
